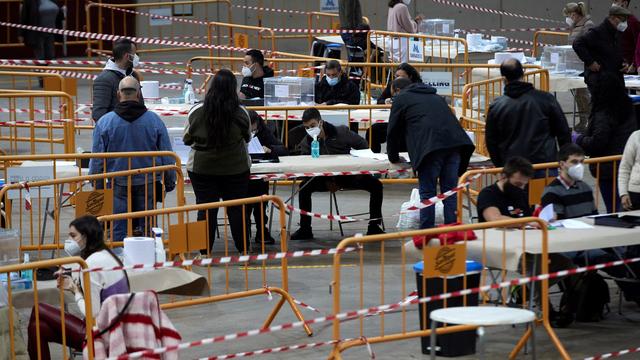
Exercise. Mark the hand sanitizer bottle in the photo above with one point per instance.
(315, 148)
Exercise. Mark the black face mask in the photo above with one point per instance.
(512, 191)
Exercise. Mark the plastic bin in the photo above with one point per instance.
(437, 27)
(455, 344)
(9, 244)
(289, 91)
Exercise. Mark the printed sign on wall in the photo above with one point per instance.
(329, 5)
(440, 80)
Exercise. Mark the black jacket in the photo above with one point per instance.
(105, 92)
(426, 122)
(600, 44)
(344, 92)
(339, 140)
(525, 122)
(267, 137)
(606, 136)
(254, 87)
(29, 15)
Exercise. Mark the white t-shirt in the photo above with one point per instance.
(99, 280)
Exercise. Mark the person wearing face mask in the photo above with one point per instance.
(571, 197)
(253, 73)
(265, 132)
(629, 38)
(579, 23)
(335, 87)
(335, 140)
(399, 21)
(86, 240)
(600, 48)
(105, 86)
(612, 121)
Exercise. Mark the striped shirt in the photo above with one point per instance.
(569, 201)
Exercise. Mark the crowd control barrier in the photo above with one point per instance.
(37, 209)
(353, 288)
(556, 37)
(536, 186)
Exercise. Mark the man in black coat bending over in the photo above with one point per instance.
(438, 146)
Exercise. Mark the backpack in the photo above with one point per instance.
(586, 298)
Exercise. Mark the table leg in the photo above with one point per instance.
(533, 339)
(481, 342)
(432, 347)
(293, 194)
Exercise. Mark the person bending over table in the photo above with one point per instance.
(86, 239)
(335, 140)
(270, 144)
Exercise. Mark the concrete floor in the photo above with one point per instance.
(310, 279)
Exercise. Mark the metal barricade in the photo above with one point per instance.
(21, 298)
(120, 19)
(21, 125)
(353, 287)
(536, 186)
(556, 37)
(185, 234)
(417, 48)
(478, 96)
(31, 206)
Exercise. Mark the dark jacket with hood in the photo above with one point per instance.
(600, 44)
(525, 122)
(338, 140)
(344, 92)
(254, 87)
(425, 121)
(105, 89)
(131, 127)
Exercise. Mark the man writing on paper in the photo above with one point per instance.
(335, 87)
(131, 127)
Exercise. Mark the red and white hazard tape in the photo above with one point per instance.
(305, 306)
(274, 350)
(614, 354)
(491, 11)
(257, 8)
(298, 117)
(227, 260)
(514, 30)
(78, 62)
(27, 195)
(323, 216)
(438, 198)
(334, 173)
(374, 310)
(109, 37)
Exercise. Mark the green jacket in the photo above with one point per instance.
(230, 158)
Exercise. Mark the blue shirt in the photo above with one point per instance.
(147, 133)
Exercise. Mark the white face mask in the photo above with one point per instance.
(136, 61)
(314, 132)
(246, 71)
(71, 247)
(569, 21)
(576, 172)
(406, 2)
(622, 26)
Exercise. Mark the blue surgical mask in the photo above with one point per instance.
(333, 81)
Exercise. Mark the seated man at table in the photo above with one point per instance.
(335, 140)
(254, 72)
(335, 87)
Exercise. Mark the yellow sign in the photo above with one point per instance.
(241, 40)
(96, 203)
(188, 237)
(441, 261)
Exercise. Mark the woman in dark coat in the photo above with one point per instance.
(44, 13)
(611, 123)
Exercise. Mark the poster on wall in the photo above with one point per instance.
(329, 5)
(440, 80)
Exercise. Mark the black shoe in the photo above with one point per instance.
(559, 319)
(374, 229)
(268, 240)
(302, 234)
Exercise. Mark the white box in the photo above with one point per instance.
(289, 91)
(437, 27)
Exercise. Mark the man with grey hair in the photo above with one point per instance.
(131, 127)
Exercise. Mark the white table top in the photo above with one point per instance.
(64, 169)
(482, 315)
(333, 163)
(560, 240)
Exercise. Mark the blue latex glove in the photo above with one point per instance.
(575, 136)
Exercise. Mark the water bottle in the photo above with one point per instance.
(315, 148)
(189, 93)
(27, 275)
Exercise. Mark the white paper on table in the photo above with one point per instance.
(368, 154)
(547, 213)
(255, 147)
(572, 224)
(281, 91)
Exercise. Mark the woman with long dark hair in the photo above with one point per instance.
(611, 123)
(86, 239)
(219, 163)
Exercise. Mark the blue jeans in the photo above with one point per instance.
(139, 202)
(440, 166)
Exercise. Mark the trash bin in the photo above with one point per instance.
(455, 344)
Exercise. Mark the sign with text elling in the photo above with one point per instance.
(440, 80)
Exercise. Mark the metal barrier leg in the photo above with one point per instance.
(432, 338)
(285, 297)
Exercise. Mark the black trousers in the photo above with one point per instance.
(351, 182)
(259, 188)
(208, 188)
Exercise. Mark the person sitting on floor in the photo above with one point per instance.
(335, 140)
(270, 144)
(335, 87)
